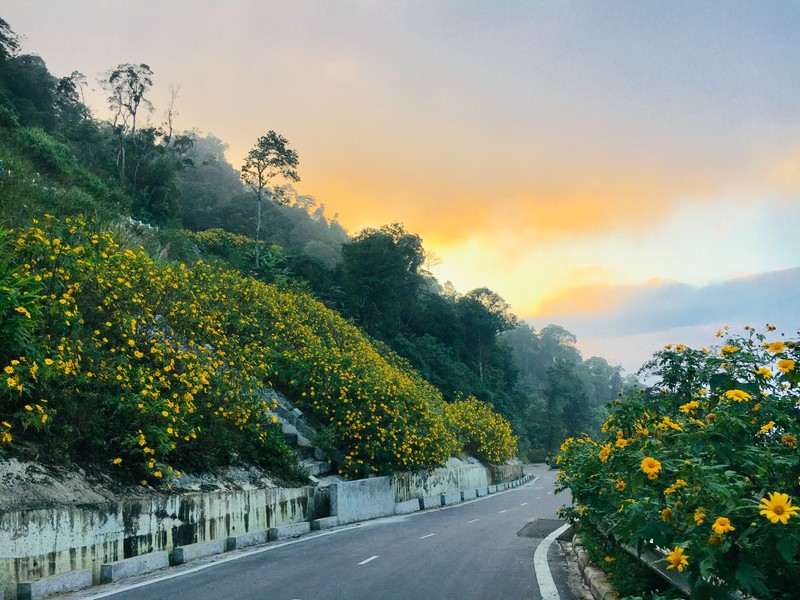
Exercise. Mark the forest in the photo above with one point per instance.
(169, 198)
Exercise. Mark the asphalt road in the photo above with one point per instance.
(482, 549)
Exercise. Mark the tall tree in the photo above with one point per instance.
(379, 275)
(485, 314)
(9, 41)
(126, 86)
(269, 158)
(31, 90)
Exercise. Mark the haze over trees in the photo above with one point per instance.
(464, 344)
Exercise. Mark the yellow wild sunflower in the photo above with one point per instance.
(651, 467)
(722, 526)
(677, 559)
(778, 508)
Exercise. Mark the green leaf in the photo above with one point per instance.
(751, 579)
(707, 567)
(786, 547)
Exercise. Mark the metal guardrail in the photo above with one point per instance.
(655, 560)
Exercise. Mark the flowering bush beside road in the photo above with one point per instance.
(703, 465)
(155, 366)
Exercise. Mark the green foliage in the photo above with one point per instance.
(19, 306)
(28, 88)
(629, 577)
(40, 175)
(53, 157)
(705, 462)
(379, 276)
(9, 41)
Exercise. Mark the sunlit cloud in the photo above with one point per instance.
(626, 321)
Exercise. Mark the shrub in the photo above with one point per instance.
(46, 152)
(480, 431)
(704, 465)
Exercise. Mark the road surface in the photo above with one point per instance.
(482, 549)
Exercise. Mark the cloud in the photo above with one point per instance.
(627, 323)
(603, 310)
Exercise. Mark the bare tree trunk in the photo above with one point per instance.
(258, 227)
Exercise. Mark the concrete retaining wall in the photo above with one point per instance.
(40, 543)
(457, 476)
(503, 473)
(364, 499)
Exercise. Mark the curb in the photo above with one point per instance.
(127, 567)
(244, 540)
(189, 552)
(595, 578)
(55, 584)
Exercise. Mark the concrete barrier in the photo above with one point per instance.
(430, 502)
(324, 523)
(492, 489)
(189, 552)
(244, 540)
(454, 498)
(364, 499)
(468, 494)
(133, 566)
(481, 491)
(406, 507)
(287, 531)
(49, 586)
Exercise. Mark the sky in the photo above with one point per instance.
(629, 170)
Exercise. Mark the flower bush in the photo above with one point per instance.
(480, 431)
(155, 366)
(703, 465)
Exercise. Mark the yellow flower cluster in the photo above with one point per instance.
(481, 431)
(166, 362)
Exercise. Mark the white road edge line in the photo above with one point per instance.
(547, 587)
(427, 536)
(370, 559)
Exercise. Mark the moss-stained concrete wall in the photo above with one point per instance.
(49, 541)
(503, 473)
(458, 475)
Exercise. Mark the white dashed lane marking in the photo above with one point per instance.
(370, 559)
